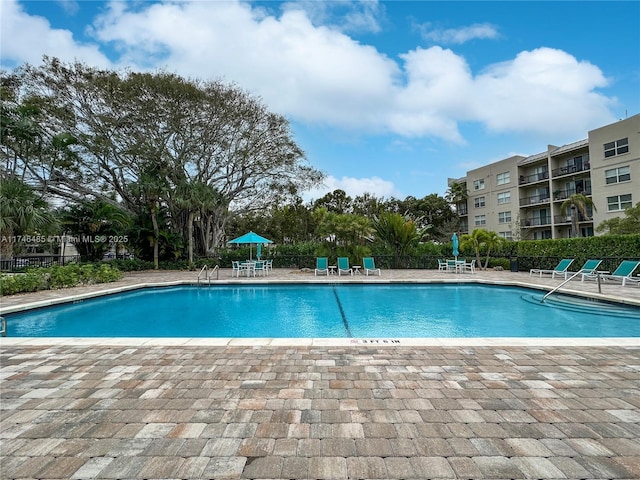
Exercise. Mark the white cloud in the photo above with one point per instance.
(353, 187)
(457, 36)
(25, 39)
(343, 15)
(545, 90)
(317, 74)
(71, 7)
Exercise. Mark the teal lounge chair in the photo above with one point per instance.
(343, 266)
(623, 273)
(369, 266)
(322, 266)
(561, 268)
(589, 267)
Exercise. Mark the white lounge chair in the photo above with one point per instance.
(561, 268)
(322, 266)
(369, 266)
(623, 273)
(343, 266)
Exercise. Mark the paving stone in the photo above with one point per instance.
(498, 467)
(538, 467)
(465, 467)
(367, 467)
(432, 467)
(295, 467)
(328, 468)
(224, 467)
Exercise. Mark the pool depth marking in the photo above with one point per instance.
(344, 317)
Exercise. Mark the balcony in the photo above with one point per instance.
(535, 177)
(564, 194)
(534, 200)
(462, 209)
(559, 219)
(569, 169)
(536, 222)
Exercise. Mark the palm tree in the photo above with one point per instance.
(491, 242)
(398, 232)
(578, 202)
(457, 194)
(91, 220)
(474, 241)
(22, 211)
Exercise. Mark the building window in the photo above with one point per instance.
(503, 178)
(478, 202)
(504, 217)
(506, 235)
(478, 184)
(480, 220)
(618, 202)
(617, 175)
(618, 147)
(504, 197)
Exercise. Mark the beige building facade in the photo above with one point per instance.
(520, 198)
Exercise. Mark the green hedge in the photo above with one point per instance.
(71, 275)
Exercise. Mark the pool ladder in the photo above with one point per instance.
(3, 327)
(571, 278)
(208, 272)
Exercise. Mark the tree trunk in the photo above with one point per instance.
(156, 235)
(190, 233)
(574, 221)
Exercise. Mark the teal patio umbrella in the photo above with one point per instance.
(250, 238)
(454, 241)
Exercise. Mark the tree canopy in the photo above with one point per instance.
(143, 139)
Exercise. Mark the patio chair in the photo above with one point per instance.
(589, 267)
(622, 273)
(469, 266)
(343, 266)
(235, 268)
(260, 268)
(561, 268)
(268, 266)
(322, 266)
(442, 265)
(369, 266)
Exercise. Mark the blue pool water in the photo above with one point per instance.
(371, 311)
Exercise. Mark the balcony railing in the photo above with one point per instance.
(558, 219)
(534, 200)
(535, 177)
(558, 172)
(564, 194)
(536, 222)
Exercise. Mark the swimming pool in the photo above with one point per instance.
(329, 311)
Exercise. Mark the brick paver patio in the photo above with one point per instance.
(360, 411)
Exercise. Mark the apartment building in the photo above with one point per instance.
(520, 197)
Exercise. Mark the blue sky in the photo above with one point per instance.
(390, 98)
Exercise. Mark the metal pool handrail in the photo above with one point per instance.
(208, 272)
(567, 281)
(3, 327)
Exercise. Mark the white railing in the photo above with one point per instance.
(579, 272)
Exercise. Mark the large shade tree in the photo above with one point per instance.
(144, 138)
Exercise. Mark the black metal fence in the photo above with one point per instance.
(22, 263)
(520, 263)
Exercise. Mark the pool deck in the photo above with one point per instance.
(320, 408)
